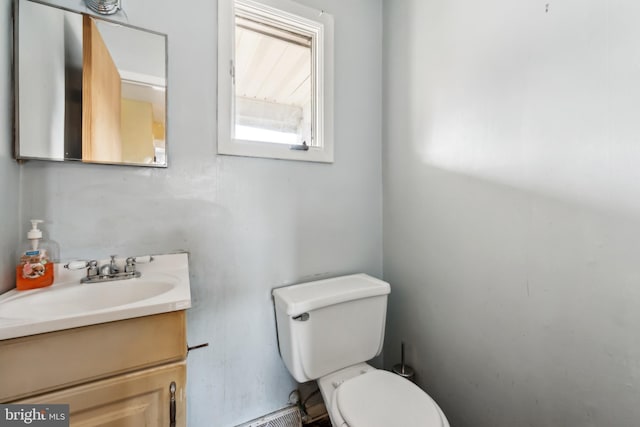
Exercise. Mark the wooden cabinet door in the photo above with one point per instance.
(142, 398)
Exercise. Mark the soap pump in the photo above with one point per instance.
(35, 268)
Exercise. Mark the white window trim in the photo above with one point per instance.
(323, 130)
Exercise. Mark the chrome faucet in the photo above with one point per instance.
(109, 269)
(108, 272)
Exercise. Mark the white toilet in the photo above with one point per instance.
(327, 329)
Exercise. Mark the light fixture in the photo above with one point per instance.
(104, 7)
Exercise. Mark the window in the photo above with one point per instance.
(275, 80)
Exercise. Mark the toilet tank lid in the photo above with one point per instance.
(298, 299)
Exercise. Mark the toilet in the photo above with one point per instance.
(327, 330)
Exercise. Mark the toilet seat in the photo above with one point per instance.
(381, 399)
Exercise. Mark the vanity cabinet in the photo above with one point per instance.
(141, 398)
(124, 373)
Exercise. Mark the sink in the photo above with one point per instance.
(69, 299)
(162, 287)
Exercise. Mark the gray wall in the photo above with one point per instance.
(249, 224)
(42, 78)
(511, 202)
(9, 170)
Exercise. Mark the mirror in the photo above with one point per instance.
(88, 89)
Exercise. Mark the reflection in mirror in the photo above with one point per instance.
(88, 89)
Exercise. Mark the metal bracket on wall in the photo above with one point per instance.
(196, 347)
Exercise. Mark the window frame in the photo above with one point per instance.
(309, 20)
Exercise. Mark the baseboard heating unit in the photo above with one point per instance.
(287, 417)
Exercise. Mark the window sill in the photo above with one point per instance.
(273, 151)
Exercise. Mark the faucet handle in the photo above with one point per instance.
(91, 266)
(130, 266)
(92, 269)
(76, 265)
(142, 259)
(131, 262)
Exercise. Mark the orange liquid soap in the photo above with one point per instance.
(34, 282)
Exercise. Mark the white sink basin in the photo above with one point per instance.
(73, 299)
(163, 287)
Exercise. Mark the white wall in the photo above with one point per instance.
(249, 224)
(9, 170)
(42, 81)
(511, 207)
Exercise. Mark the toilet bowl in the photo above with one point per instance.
(361, 395)
(327, 330)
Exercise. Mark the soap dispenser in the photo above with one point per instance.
(35, 269)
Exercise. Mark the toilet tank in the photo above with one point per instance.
(327, 325)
